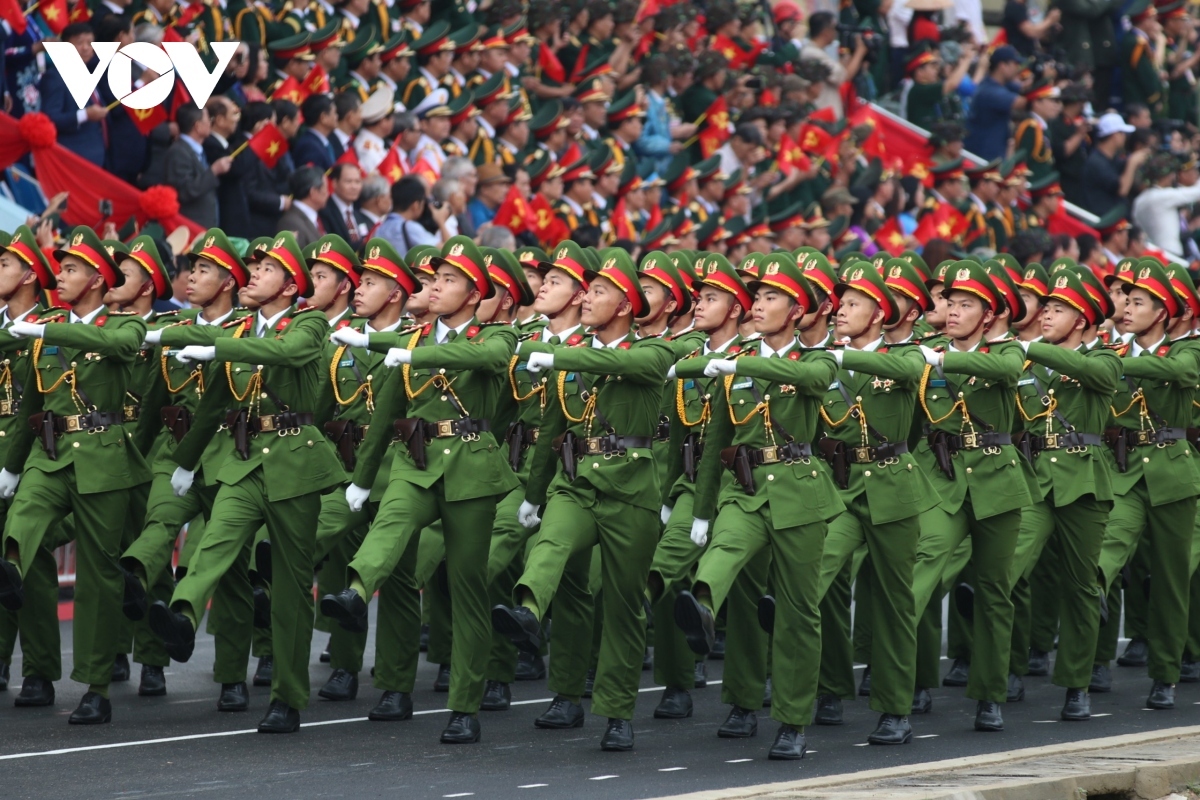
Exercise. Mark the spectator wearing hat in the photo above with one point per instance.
(467, 50)
(490, 192)
(364, 60)
(370, 145)
(1158, 210)
(309, 195)
(925, 96)
(339, 214)
(707, 84)
(996, 98)
(1108, 175)
(397, 64)
(822, 34)
(435, 52)
(1141, 79)
(434, 115)
(1180, 61)
(514, 136)
(314, 144)
(1032, 135)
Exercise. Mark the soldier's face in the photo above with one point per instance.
(1142, 312)
(1033, 308)
(534, 278)
(205, 281)
(75, 278)
(13, 273)
(713, 308)
(328, 283)
(135, 284)
(1059, 319)
(374, 292)
(1119, 300)
(773, 311)
(451, 291)
(558, 291)
(965, 315)
(659, 300)
(267, 278)
(856, 313)
(936, 316)
(602, 303)
(418, 304)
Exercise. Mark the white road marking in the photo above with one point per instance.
(460, 794)
(533, 786)
(928, 736)
(1044, 721)
(863, 744)
(672, 769)
(603, 777)
(1101, 715)
(738, 760)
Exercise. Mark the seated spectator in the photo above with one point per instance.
(450, 192)
(996, 98)
(408, 205)
(740, 151)
(315, 144)
(339, 214)
(375, 203)
(309, 195)
(1108, 175)
(492, 188)
(188, 170)
(80, 130)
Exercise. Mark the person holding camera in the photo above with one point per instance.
(925, 96)
(822, 35)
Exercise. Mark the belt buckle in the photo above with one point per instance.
(1141, 438)
(863, 455)
(770, 454)
(445, 427)
(6, 408)
(1053, 441)
(266, 424)
(591, 445)
(73, 424)
(131, 413)
(970, 441)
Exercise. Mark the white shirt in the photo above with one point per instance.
(344, 208)
(262, 324)
(598, 345)
(829, 97)
(442, 330)
(309, 212)
(345, 313)
(1156, 211)
(719, 348)
(1136, 349)
(343, 137)
(766, 351)
(564, 335)
(370, 149)
(368, 329)
(898, 19)
(88, 319)
(200, 320)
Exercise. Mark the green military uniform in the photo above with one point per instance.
(1032, 138)
(1141, 80)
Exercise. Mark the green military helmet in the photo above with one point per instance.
(938, 276)
(1067, 287)
(716, 271)
(23, 244)
(542, 167)
(334, 251)
(914, 258)
(711, 232)
(548, 118)
(287, 253)
(399, 46)
(904, 278)
(463, 254)
(1035, 280)
(1152, 277)
(215, 246)
(864, 278)
(972, 278)
(1183, 285)
(617, 268)
(591, 258)
(568, 257)
(1010, 263)
(85, 245)
(853, 257)
(1094, 288)
(678, 173)
(708, 169)
(659, 267)
(435, 38)
(115, 248)
(1006, 285)
(623, 107)
(381, 257)
(505, 271)
(943, 171)
(780, 271)
(143, 251)
(790, 217)
(420, 258)
(361, 49)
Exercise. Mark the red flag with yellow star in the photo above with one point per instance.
(514, 213)
(80, 12)
(548, 227)
(268, 144)
(56, 14)
(10, 12)
(392, 167)
(792, 157)
(291, 89)
(890, 237)
(147, 119)
(739, 57)
(945, 222)
(317, 81)
(716, 127)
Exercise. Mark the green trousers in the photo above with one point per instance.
(929, 647)
(795, 569)
(892, 548)
(1137, 604)
(430, 575)
(340, 531)
(36, 624)
(1037, 524)
(43, 500)
(558, 569)
(239, 511)
(837, 652)
(1170, 528)
(404, 511)
(506, 560)
(1192, 651)
(862, 575)
(1078, 530)
(993, 542)
(1045, 596)
(146, 647)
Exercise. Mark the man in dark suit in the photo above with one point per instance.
(82, 131)
(314, 145)
(232, 199)
(339, 214)
(267, 190)
(127, 146)
(189, 171)
(309, 196)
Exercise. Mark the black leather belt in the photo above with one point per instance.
(447, 428)
(1161, 436)
(867, 455)
(608, 445)
(777, 454)
(87, 422)
(976, 441)
(1061, 441)
(273, 423)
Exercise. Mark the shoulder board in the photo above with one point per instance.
(233, 323)
(427, 329)
(408, 330)
(883, 348)
(697, 351)
(903, 344)
(122, 314)
(306, 310)
(1120, 348)
(52, 315)
(1003, 340)
(529, 337)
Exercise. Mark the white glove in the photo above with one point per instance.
(26, 330)
(356, 496)
(527, 515)
(153, 338)
(665, 514)
(350, 337)
(700, 532)
(181, 481)
(397, 356)
(837, 354)
(932, 357)
(671, 373)
(197, 352)
(8, 483)
(720, 366)
(540, 361)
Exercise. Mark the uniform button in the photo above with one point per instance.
(442, 371)
(310, 442)
(368, 376)
(767, 398)
(446, 451)
(1054, 459)
(741, 402)
(263, 396)
(968, 470)
(867, 474)
(635, 455)
(1145, 460)
(933, 397)
(2, 434)
(595, 465)
(237, 369)
(910, 466)
(74, 444)
(266, 450)
(770, 477)
(814, 473)
(443, 398)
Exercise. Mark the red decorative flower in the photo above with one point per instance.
(159, 202)
(37, 130)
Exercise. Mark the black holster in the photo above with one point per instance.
(737, 460)
(177, 420)
(1024, 443)
(692, 451)
(515, 436)
(344, 435)
(834, 453)
(238, 423)
(939, 443)
(1116, 439)
(42, 425)
(566, 445)
(412, 433)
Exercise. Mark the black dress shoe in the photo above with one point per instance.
(1137, 654)
(1101, 679)
(957, 676)
(424, 638)
(441, 684)
(262, 608)
(829, 710)
(742, 723)
(892, 729)
(234, 697)
(264, 671)
(4, 673)
(342, 685)
(589, 683)
(92, 710)
(789, 744)
(675, 704)
(561, 714)
(768, 690)
(988, 716)
(462, 729)
(618, 736)
(1162, 696)
(392, 707)
(153, 682)
(325, 654)
(120, 669)
(964, 601)
(133, 603)
(647, 660)
(718, 651)
(1016, 689)
(496, 696)
(530, 666)
(1078, 706)
(348, 608)
(262, 560)
(696, 622)
(922, 702)
(864, 686)
(176, 631)
(1103, 609)
(280, 718)
(1189, 672)
(520, 626)
(1039, 663)
(12, 591)
(766, 613)
(35, 692)
(700, 675)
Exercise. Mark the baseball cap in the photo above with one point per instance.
(1005, 53)
(1112, 123)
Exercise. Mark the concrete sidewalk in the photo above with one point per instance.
(1145, 766)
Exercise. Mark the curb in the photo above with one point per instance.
(1148, 775)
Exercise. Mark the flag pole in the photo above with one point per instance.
(32, 8)
(237, 151)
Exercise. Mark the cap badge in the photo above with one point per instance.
(1030, 274)
(712, 267)
(487, 261)
(278, 242)
(137, 247)
(374, 253)
(456, 250)
(963, 274)
(1061, 283)
(1145, 273)
(562, 253)
(210, 241)
(856, 275)
(78, 240)
(325, 248)
(773, 268)
(895, 272)
(612, 262)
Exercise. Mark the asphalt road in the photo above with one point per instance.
(339, 753)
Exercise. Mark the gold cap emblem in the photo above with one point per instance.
(108, 248)
(712, 267)
(1061, 283)
(487, 261)
(1030, 274)
(374, 253)
(325, 248)
(456, 250)
(1145, 273)
(210, 241)
(963, 274)
(78, 240)
(278, 242)
(562, 253)
(772, 268)
(612, 262)
(895, 272)
(137, 247)
(856, 275)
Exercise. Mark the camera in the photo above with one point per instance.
(870, 38)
